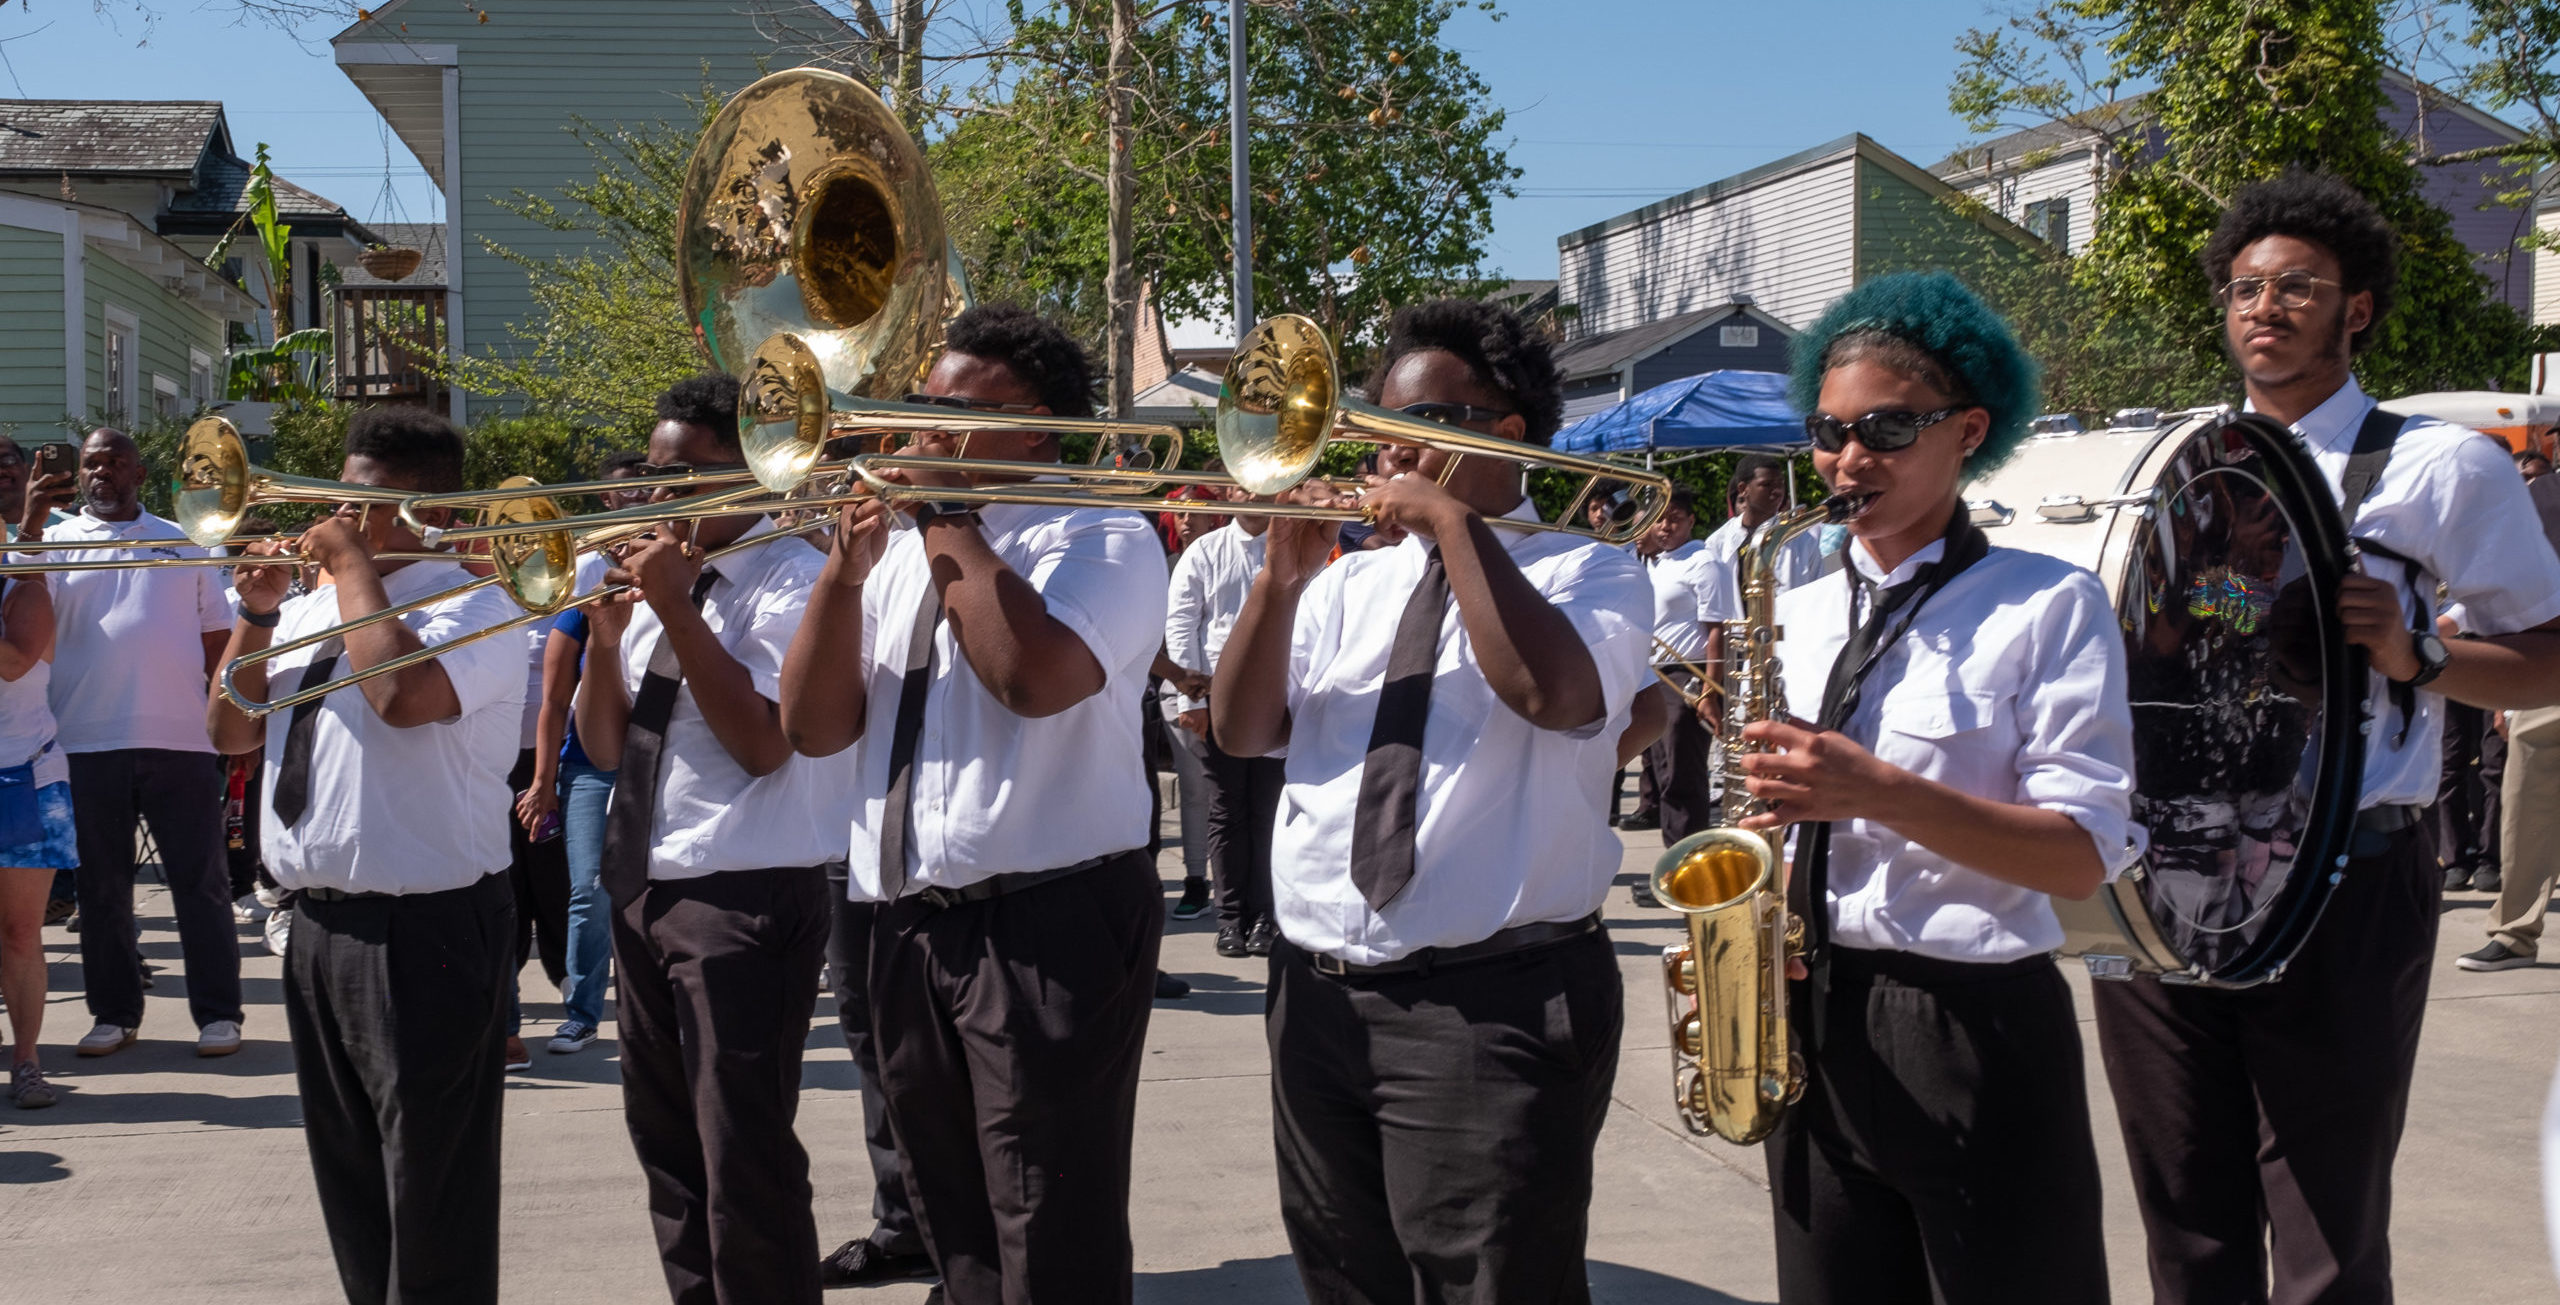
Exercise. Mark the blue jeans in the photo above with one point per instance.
(583, 790)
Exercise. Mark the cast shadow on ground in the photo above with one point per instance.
(91, 1103)
(18, 1167)
(1273, 1280)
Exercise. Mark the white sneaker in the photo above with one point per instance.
(279, 930)
(269, 897)
(248, 910)
(105, 1040)
(220, 1038)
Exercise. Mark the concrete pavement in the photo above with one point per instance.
(164, 1178)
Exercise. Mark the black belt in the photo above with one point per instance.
(994, 886)
(1517, 938)
(317, 894)
(2376, 827)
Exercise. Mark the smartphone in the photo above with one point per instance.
(57, 458)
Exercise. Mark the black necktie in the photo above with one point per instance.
(293, 770)
(1391, 778)
(1809, 884)
(632, 818)
(897, 814)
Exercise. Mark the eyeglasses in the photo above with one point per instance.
(1881, 432)
(2293, 289)
(966, 404)
(1453, 414)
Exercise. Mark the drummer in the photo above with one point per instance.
(1972, 755)
(2265, 1120)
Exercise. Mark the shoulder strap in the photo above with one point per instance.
(2372, 452)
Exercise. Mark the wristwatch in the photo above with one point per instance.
(929, 510)
(2431, 658)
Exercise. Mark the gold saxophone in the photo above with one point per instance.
(1732, 1071)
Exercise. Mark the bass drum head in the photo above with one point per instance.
(2245, 699)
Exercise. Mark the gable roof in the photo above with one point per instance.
(138, 138)
(222, 197)
(1602, 355)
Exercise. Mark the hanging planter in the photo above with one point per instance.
(388, 263)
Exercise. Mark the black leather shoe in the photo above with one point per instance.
(1231, 939)
(1169, 988)
(1259, 941)
(861, 1263)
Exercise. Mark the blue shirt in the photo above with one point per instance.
(573, 623)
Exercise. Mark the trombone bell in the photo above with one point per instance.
(213, 482)
(1276, 405)
(538, 564)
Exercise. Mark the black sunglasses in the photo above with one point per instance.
(1881, 432)
(1453, 414)
(966, 404)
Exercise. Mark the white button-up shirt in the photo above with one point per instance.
(993, 792)
(2450, 498)
(417, 810)
(1512, 820)
(2009, 684)
(1800, 562)
(1688, 591)
(129, 645)
(1211, 580)
(711, 815)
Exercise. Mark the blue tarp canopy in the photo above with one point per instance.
(1717, 410)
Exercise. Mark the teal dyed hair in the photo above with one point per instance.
(1933, 312)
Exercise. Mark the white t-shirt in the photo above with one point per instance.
(129, 645)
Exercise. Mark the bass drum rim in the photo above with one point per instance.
(2117, 922)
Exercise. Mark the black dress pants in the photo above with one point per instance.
(1434, 1130)
(719, 976)
(181, 794)
(1682, 765)
(395, 1006)
(2268, 1118)
(849, 976)
(2467, 796)
(1244, 804)
(540, 872)
(1010, 1032)
(1941, 1152)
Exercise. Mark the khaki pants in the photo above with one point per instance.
(2529, 827)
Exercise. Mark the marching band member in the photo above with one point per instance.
(1210, 581)
(2265, 1121)
(1691, 595)
(1758, 497)
(1445, 1006)
(385, 813)
(714, 850)
(1972, 755)
(985, 668)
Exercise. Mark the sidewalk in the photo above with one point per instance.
(161, 1178)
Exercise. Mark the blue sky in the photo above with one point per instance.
(1612, 103)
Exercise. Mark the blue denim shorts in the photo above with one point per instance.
(59, 849)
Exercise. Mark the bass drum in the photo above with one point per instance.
(2221, 545)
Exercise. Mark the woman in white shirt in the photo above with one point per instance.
(26, 738)
(1967, 755)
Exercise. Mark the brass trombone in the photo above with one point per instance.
(1708, 681)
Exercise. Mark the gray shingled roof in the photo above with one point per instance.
(132, 137)
(223, 196)
(425, 237)
(2064, 134)
(1603, 354)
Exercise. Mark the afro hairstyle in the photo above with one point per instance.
(412, 443)
(708, 400)
(1503, 353)
(1031, 347)
(1933, 313)
(2325, 211)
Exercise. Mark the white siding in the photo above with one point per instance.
(1787, 242)
(2546, 273)
(2008, 190)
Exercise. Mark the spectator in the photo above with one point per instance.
(2529, 809)
(1207, 591)
(1173, 693)
(568, 785)
(2533, 465)
(135, 653)
(35, 818)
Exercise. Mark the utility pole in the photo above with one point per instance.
(1240, 168)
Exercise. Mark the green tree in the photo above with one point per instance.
(2241, 90)
(1373, 147)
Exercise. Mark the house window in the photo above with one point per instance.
(1738, 337)
(199, 379)
(122, 356)
(164, 397)
(2049, 220)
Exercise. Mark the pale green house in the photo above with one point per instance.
(107, 211)
(483, 96)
